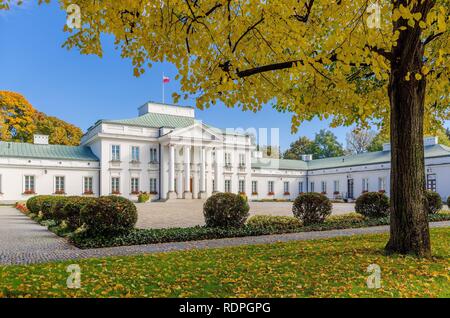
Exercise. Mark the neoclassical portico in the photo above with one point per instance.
(195, 166)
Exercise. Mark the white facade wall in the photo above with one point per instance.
(14, 170)
(278, 177)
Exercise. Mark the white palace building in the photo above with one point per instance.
(167, 152)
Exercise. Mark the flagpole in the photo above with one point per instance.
(163, 84)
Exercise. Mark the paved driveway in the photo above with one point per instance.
(22, 239)
(182, 213)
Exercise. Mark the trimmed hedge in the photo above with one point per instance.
(34, 203)
(153, 236)
(311, 208)
(372, 204)
(225, 210)
(274, 222)
(433, 202)
(109, 215)
(102, 216)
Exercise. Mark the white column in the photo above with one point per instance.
(209, 175)
(202, 193)
(187, 173)
(171, 194)
(180, 183)
(218, 171)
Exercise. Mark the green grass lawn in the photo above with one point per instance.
(321, 268)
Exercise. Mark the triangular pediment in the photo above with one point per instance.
(198, 131)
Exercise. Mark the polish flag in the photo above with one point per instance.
(166, 79)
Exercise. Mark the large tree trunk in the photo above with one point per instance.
(409, 232)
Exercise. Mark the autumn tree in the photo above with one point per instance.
(59, 131)
(20, 121)
(349, 60)
(17, 117)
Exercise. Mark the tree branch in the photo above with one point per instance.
(304, 18)
(432, 37)
(246, 32)
(267, 68)
(382, 52)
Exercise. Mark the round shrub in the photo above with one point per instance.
(71, 213)
(372, 205)
(433, 202)
(143, 197)
(109, 215)
(31, 204)
(57, 212)
(225, 210)
(311, 208)
(34, 203)
(47, 207)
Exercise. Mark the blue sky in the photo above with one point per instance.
(81, 89)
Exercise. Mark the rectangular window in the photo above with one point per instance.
(300, 187)
(115, 185)
(135, 154)
(365, 185)
(214, 185)
(336, 186)
(115, 153)
(153, 155)
(88, 189)
(431, 182)
(227, 185)
(241, 186)
(382, 184)
(311, 188)
(254, 187)
(227, 159)
(59, 185)
(286, 187)
(134, 185)
(324, 186)
(153, 186)
(270, 187)
(242, 160)
(29, 185)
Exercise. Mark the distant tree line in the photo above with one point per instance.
(19, 121)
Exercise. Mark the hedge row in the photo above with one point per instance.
(108, 215)
(256, 225)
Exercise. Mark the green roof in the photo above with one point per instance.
(268, 163)
(155, 120)
(24, 150)
(368, 158)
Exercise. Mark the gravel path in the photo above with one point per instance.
(187, 213)
(22, 241)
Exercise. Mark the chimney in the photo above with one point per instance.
(307, 157)
(40, 139)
